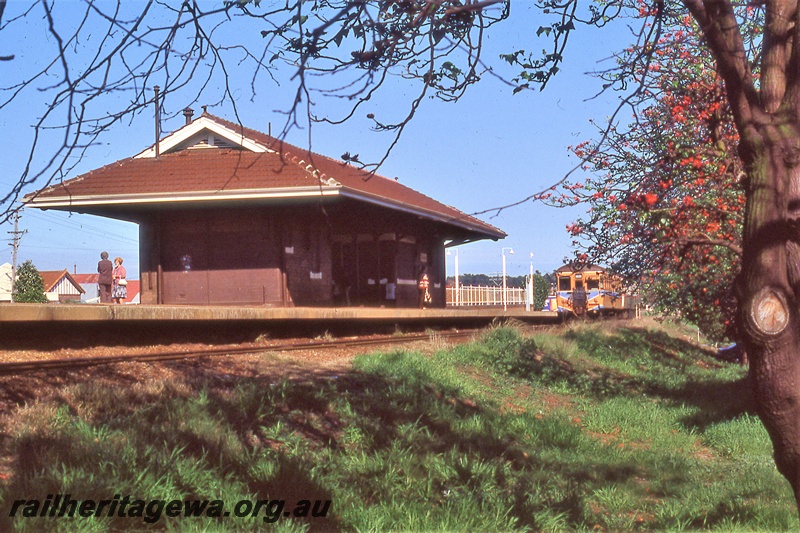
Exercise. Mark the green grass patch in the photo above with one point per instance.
(595, 428)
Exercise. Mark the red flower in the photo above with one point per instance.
(574, 229)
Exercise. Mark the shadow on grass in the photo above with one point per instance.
(190, 444)
(635, 361)
(358, 437)
(144, 446)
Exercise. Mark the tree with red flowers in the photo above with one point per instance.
(762, 89)
(665, 200)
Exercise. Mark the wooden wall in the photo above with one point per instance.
(288, 256)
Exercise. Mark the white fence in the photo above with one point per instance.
(469, 295)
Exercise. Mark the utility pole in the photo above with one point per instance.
(16, 237)
(156, 90)
(529, 297)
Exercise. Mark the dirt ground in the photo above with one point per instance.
(301, 365)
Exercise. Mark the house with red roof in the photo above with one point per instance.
(228, 215)
(60, 286)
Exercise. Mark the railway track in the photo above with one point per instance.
(18, 367)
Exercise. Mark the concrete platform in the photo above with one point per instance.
(44, 313)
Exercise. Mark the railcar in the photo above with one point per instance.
(590, 291)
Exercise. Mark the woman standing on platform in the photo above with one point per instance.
(120, 290)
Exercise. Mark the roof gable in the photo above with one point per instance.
(52, 278)
(208, 131)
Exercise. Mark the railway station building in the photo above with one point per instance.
(231, 216)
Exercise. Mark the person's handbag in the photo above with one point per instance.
(122, 282)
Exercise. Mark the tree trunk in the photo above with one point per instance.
(769, 285)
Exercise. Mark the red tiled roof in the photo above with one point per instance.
(85, 279)
(187, 171)
(133, 290)
(216, 172)
(52, 278)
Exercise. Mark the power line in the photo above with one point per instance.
(86, 228)
(92, 249)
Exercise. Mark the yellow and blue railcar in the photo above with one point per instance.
(591, 291)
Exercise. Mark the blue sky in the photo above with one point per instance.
(487, 150)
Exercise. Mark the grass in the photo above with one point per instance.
(595, 428)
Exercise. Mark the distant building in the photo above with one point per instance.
(232, 216)
(60, 286)
(6, 283)
(90, 286)
(133, 291)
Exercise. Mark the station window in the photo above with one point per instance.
(564, 284)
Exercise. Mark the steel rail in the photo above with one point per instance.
(18, 367)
